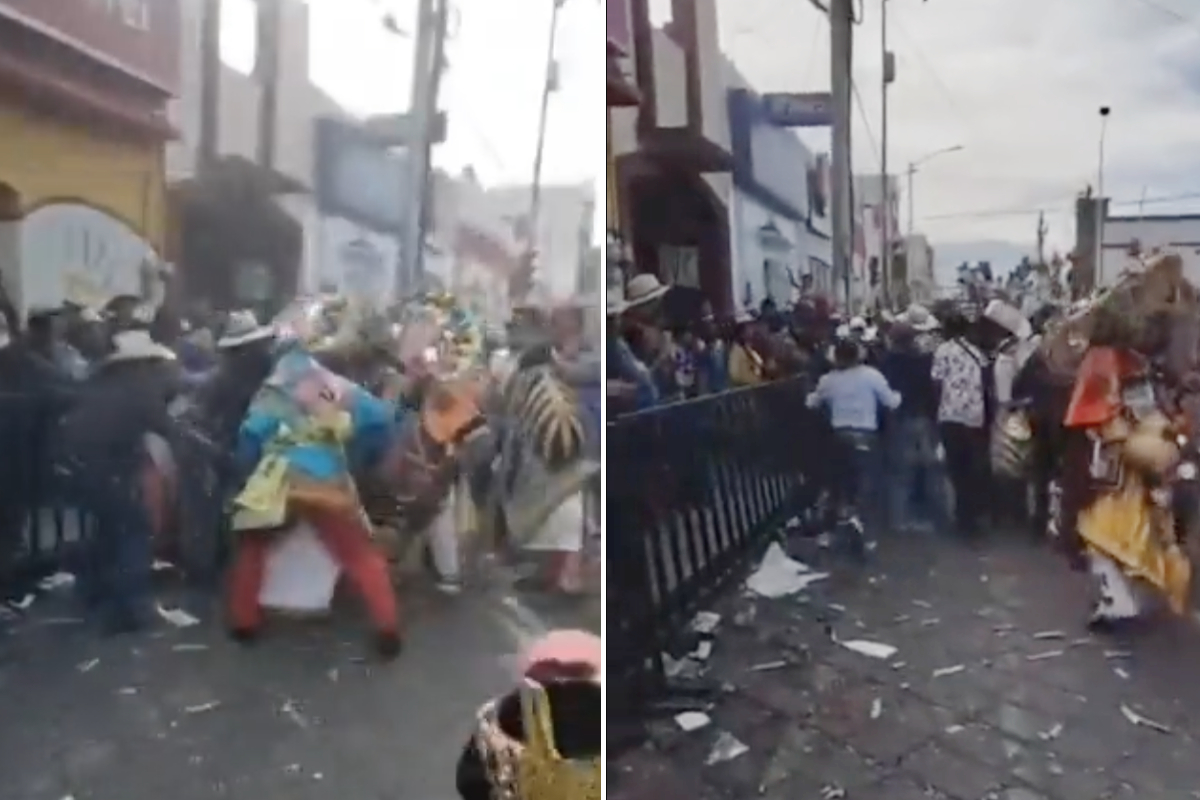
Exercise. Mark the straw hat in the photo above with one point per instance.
(642, 289)
(243, 328)
(919, 318)
(137, 345)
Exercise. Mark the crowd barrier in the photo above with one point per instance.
(695, 492)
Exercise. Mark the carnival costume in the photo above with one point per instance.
(541, 741)
(304, 432)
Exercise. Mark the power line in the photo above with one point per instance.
(862, 112)
(994, 213)
(1179, 16)
(927, 66)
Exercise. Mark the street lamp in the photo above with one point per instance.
(1100, 209)
(912, 171)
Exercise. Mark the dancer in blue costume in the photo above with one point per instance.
(304, 431)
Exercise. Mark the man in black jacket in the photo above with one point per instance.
(104, 436)
(914, 451)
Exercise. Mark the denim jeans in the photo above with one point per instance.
(115, 576)
(916, 469)
(860, 471)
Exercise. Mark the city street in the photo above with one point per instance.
(994, 691)
(184, 713)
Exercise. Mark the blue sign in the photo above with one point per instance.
(798, 109)
(359, 178)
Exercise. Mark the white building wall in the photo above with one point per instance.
(1178, 234)
(755, 271)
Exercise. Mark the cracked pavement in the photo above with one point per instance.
(996, 691)
(184, 713)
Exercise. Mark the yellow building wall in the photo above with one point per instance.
(45, 159)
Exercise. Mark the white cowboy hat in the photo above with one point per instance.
(858, 324)
(642, 289)
(243, 328)
(1010, 318)
(137, 345)
(919, 318)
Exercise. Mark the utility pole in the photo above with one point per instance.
(1041, 238)
(549, 85)
(266, 68)
(841, 33)
(422, 116)
(885, 191)
(208, 143)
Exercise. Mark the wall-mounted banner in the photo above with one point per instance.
(798, 109)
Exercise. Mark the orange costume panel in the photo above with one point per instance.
(1096, 399)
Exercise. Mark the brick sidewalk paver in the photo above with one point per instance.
(996, 690)
(306, 713)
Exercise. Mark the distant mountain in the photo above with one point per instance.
(1003, 256)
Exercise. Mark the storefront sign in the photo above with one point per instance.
(359, 179)
(138, 37)
(798, 109)
(620, 31)
(70, 251)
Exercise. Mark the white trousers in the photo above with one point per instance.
(1119, 595)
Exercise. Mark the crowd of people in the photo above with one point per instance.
(919, 392)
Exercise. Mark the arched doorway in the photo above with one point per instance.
(678, 229)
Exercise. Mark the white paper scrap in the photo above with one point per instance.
(872, 649)
(780, 575)
(692, 720)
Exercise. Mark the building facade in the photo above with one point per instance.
(768, 211)
(341, 186)
(83, 93)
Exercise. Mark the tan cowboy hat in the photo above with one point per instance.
(137, 345)
(243, 328)
(642, 289)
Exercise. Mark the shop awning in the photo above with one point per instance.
(43, 88)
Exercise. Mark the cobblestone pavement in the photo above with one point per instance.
(996, 691)
(185, 714)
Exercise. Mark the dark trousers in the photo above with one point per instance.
(115, 575)
(967, 464)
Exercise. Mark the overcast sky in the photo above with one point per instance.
(493, 88)
(1017, 83)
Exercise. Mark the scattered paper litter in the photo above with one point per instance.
(59, 580)
(1052, 734)
(23, 604)
(768, 666)
(1118, 654)
(188, 648)
(88, 666)
(1049, 635)
(1120, 673)
(922, 604)
(780, 575)
(161, 566)
(203, 707)
(1044, 656)
(946, 672)
(692, 720)
(706, 622)
(953, 729)
(876, 708)
(726, 748)
(873, 649)
(1143, 722)
(177, 617)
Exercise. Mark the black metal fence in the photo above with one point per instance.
(40, 525)
(695, 492)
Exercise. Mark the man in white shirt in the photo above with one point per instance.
(959, 370)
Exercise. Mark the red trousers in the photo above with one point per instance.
(348, 541)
